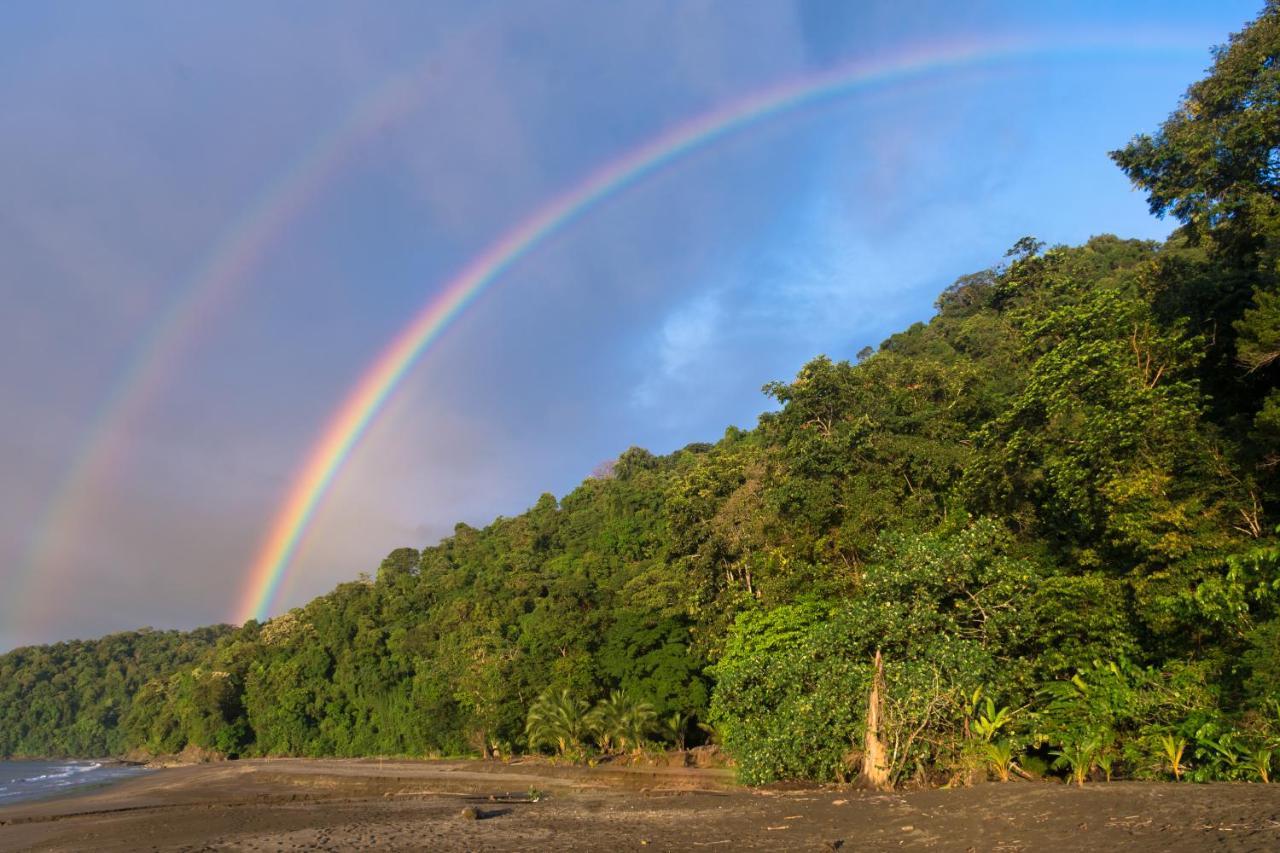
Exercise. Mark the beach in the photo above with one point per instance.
(301, 804)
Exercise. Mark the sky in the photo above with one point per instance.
(216, 216)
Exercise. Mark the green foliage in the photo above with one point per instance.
(1260, 763)
(991, 721)
(1173, 748)
(1212, 163)
(71, 699)
(652, 658)
(1078, 755)
(677, 729)
(620, 723)
(1116, 714)
(789, 693)
(196, 707)
(558, 720)
(999, 757)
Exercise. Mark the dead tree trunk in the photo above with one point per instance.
(875, 755)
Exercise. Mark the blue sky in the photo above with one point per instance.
(134, 134)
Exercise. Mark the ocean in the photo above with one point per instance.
(33, 780)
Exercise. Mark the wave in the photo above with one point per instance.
(21, 780)
(64, 772)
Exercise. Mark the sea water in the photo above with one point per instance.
(31, 780)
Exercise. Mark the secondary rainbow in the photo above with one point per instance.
(154, 361)
(368, 396)
(222, 272)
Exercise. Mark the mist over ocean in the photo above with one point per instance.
(33, 780)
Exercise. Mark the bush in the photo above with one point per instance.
(790, 694)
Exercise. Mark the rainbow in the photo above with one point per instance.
(369, 395)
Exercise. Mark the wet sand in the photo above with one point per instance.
(473, 805)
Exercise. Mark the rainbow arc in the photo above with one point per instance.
(369, 395)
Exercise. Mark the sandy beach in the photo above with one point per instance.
(473, 805)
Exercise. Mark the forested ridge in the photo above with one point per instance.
(68, 699)
(1051, 509)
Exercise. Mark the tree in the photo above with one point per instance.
(559, 720)
(1215, 163)
(620, 721)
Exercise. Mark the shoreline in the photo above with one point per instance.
(336, 804)
(78, 777)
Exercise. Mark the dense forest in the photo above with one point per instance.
(1050, 511)
(68, 699)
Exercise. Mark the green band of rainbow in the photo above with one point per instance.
(371, 392)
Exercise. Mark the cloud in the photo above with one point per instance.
(685, 339)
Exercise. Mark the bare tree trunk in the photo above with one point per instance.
(875, 761)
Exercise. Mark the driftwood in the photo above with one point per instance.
(875, 755)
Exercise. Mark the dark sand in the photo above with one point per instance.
(344, 805)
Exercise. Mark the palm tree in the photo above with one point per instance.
(637, 724)
(1078, 756)
(678, 728)
(604, 721)
(556, 720)
(622, 722)
(1173, 748)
